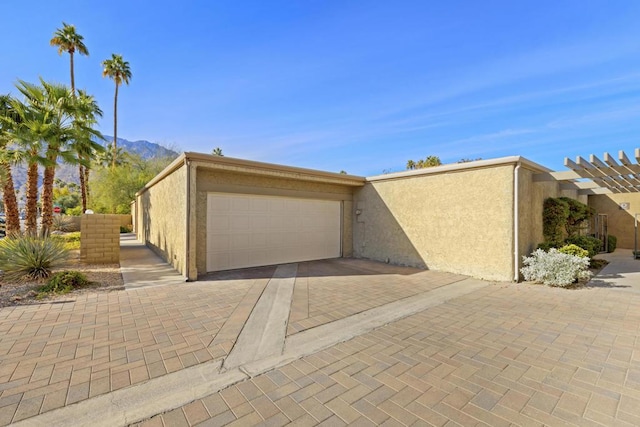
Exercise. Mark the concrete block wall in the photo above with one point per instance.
(100, 239)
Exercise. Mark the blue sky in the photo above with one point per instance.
(353, 85)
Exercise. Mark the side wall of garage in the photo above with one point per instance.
(218, 181)
(531, 202)
(161, 211)
(621, 221)
(458, 220)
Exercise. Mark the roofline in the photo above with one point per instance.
(454, 167)
(254, 167)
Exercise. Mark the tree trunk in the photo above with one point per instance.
(73, 80)
(10, 203)
(31, 226)
(115, 129)
(86, 185)
(47, 199)
(83, 188)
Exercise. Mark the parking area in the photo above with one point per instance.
(506, 354)
(466, 353)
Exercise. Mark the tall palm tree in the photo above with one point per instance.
(67, 40)
(8, 121)
(118, 70)
(84, 140)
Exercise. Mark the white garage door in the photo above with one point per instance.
(248, 230)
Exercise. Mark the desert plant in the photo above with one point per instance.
(64, 282)
(574, 250)
(30, 258)
(612, 243)
(62, 223)
(554, 268)
(590, 243)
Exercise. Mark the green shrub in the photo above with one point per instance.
(574, 250)
(545, 246)
(30, 257)
(577, 216)
(126, 228)
(612, 243)
(589, 243)
(64, 282)
(71, 241)
(77, 211)
(554, 217)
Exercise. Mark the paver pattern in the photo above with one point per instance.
(56, 354)
(508, 354)
(329, 290)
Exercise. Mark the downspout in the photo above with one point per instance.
(516, 224)
(187, 162)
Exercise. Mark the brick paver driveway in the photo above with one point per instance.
(52, 355)
(507, 354)
(504, 354)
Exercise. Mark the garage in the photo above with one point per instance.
(246, 230)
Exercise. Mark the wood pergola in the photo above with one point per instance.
(595, 176)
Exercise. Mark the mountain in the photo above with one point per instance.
(145, 149)
(69, 173)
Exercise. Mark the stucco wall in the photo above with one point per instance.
(531, 202)
(231, 182)
(621, 222)
(459, 221)
(161, 211)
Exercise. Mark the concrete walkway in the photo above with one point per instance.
(622, 272)
(445, 349)
(142, 268)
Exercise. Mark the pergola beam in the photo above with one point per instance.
(606, 176)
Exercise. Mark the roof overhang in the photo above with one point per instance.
(230, 164)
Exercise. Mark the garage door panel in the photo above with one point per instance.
(250, 230)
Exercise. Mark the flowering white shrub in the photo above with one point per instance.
(554, 268)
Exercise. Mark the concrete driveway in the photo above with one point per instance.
(329, 342)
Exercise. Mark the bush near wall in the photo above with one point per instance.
(574, 250)
(589, 243)
(612, 243)
(578, 215)
(555, 268)
(554, 217)
(562, 221)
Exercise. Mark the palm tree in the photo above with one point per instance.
(217, 152)
(26, 148)
(67, 40)
(84, 142)
(117, 69)
(52, 119)
(8, 121)
(106, 158)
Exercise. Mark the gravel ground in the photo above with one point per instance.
(104, 278)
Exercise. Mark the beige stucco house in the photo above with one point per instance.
(208, 213)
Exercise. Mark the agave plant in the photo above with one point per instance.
(30, 258)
